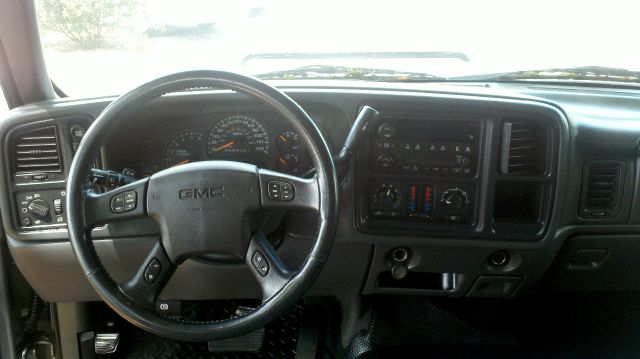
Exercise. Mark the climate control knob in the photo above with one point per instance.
(454, 198)
(38, 208)
(387, 196)
(385, 160)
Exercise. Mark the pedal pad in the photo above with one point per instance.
(106, 343)
(247, 343)
(41, 348)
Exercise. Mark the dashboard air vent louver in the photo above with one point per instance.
(37, 150)
(524, 147)
(601, 187)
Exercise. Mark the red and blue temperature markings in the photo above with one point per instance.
(412, 201)
(427, 202)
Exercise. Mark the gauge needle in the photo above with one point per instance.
(282, 138)
(282, 160)
(226, 145)
(181, 163)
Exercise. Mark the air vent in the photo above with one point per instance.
(524, 148)
(37, 151)
(601, 189)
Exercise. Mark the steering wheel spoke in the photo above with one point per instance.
(267, 266)
(279, 190)
(124, 203)
(149, 280)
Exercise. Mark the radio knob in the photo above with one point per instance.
(386, 130)
(454, 198)
(38, 208)
(385, 160)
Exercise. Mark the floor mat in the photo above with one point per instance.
(590, 325)
(280, 342)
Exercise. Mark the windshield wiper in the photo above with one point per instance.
(357, 55)
(585, 74)
(348, 73)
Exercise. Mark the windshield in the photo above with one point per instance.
(106, 47)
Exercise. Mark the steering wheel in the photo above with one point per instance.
(202, 208)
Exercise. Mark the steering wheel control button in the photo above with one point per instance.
(286, 190)
(130, 200)
(260, 263)
(169, 308)
(117, 203)
(274, 190)
(124, 202)
(280, 191)
(153, 270)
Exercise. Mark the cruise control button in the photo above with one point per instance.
(260, 263)
(153, 270)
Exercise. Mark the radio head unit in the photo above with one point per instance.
(447, 148)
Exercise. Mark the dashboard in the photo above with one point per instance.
(469, 191)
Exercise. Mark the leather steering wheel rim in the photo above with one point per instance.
(293, 287)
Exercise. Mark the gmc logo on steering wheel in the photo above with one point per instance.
(197, 193)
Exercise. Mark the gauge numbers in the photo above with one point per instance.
(184, 148)
(238, 135)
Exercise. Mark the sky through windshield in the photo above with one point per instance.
(143, 39)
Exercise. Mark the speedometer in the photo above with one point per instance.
(238, 135)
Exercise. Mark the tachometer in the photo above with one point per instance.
(238, 135)
(184, 148)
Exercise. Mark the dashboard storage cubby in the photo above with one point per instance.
(518, 202)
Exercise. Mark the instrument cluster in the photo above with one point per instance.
(249, 138)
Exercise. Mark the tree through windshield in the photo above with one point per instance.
(105, 47)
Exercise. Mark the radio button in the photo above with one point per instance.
(385, 160)
(385, 145)
(117, 203)
(386, 130)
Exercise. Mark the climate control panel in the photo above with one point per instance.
(41, 208)
(437, 202)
